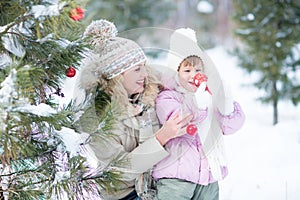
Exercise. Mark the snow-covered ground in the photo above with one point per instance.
(264, 160)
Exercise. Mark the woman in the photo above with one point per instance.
(115, 70)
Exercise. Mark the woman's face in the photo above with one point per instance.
(134, 79)
(186, 75)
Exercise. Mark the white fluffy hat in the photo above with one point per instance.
(183, 43)
(110, 56)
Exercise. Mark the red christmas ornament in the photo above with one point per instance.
(191, 129)
(199, 78)
(70, 72)
(77, 14)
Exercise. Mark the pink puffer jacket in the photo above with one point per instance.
(186, 159)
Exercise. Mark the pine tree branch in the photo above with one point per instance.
(17, 21)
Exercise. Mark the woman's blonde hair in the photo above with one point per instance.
(115, 89)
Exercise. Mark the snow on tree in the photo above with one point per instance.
(205, 7)
(40, 148)
(269, 31)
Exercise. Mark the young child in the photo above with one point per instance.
(196, 160)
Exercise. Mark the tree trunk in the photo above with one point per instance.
(275, 103)
(275, 113)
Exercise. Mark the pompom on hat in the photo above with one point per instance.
(183, 43)
(110, 55)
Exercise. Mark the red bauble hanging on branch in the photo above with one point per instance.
(70, 72)
(77, 14)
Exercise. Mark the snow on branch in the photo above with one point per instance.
(42, 110)
(42, 10)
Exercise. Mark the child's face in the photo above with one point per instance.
(186, 74)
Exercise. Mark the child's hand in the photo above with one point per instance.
(202, 94)
(203, 99)
(225, 99)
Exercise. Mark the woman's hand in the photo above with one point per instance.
(174, 127)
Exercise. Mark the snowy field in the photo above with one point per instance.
(264, 160)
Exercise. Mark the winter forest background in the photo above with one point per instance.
(254, 44)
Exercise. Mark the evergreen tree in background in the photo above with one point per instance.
(40, 46)
(269, 31)
(135, 19)
(130, 14)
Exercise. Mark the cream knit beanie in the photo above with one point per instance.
(183, 43)
(110, 55)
